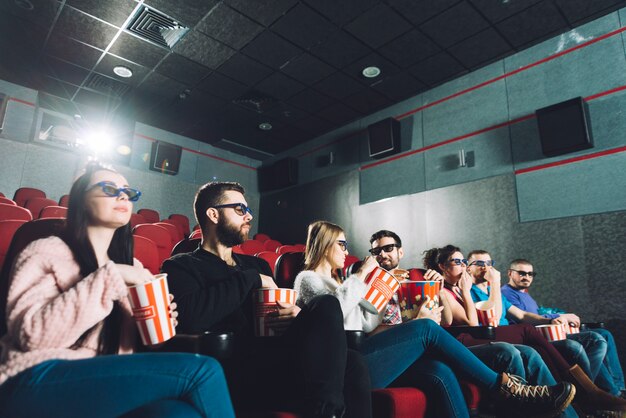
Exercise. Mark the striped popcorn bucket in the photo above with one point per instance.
(151, 309)
(486, 314)
(412, 295)
(552, 332)
(265, 304)
(570, 328)
(381, 287)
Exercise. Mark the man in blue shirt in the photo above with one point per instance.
(609, 375)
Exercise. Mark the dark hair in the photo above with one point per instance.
(477, 252)
(385, 233)
(212, 194)
(120, 251)
(519, 261)
(436, 256)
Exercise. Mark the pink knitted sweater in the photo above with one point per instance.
(50, 306)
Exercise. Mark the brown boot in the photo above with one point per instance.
(591, 398)
(536, 400)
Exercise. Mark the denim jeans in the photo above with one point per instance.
(394, 357)
(610, 376)
(152, 385)
(587, 349)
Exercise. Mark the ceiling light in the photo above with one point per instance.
(123, 150)
(371, 72)
(265, 126)
(123, 71)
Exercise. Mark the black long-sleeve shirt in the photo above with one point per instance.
(210, 294)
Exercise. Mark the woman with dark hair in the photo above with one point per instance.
(449, 261)
(68, 320)
(394, 354)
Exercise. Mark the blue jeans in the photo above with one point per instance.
(587, 349)
(392, 358)
(155, 385)
(610, 377)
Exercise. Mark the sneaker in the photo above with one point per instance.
(538, 400)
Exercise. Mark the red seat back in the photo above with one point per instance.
(14, 212)
(288, 266)
(299, 247)
(270, 257)
(136, 219)
(147, 252)
(271, 245)
(283, 249)
(238, 250)
(159, 235)
(7, 201)
(261, 237)
(53, 212)
(197, 233)
(36, 204)
(186, 246)
(24, 193)
(65, 201)
(150, 215)
(416, 275)
(7, 230)
(173, 230)
(182, 221)
(251, 247)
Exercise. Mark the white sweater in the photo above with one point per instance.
(309, 284)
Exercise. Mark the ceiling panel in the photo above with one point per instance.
(378, 26)
(229, 26)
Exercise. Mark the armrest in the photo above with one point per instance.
(483, 333)
(586, 326)
(355, 339)
(218, 345)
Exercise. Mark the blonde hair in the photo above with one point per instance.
(320, 238)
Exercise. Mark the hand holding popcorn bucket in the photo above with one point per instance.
(381, 285)
(265, 305)
(570, 328)
(413, 294)
(552, 332)
(151, 309)
(486, 312)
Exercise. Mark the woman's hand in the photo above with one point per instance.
(134, 275)
(173, 313)
(369, 264)
(465, 283)
(427, 313)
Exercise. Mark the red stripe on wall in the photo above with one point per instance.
(215, 157)
(571, 160)
(13, 99)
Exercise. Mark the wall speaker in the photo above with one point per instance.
(4, 99)
(281, 174)
(384, 138)
(165, 158)
(564, 127)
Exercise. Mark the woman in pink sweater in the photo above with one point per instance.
(68, 319)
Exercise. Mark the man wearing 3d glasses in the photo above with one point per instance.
(587, 349)
(609, 375)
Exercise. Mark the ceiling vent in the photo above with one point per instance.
(156, 27)
(106, 85)
(257, 101)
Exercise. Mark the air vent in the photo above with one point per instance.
(106, 85)
(257, 101)
(157, 27)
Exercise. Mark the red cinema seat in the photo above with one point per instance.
(53, 212)
(398, 403)
(182, 221)
(271, 245)
(7, 201)
(197, 233)
(147, 252)
(261, 237)
(159, 235)
(270, 257)
(238, 250)
(7, 230)
(150, 215)
(24, 193)
(64, 201)
(283, 249)
(186, 246)
(14, 212)
(173, 230)
(416, 275)
(288, 266)
(36, 204)
(299, 247)
(137, 219)
(251, 247)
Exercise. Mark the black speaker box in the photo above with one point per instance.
(281, 174)
(564, 127)
(384, 138)
(165, 158)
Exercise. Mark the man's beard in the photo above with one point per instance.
(389, 264)
(228, 234)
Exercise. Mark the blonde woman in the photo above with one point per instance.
(394, 353)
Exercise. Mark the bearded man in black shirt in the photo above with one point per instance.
(308, 368)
